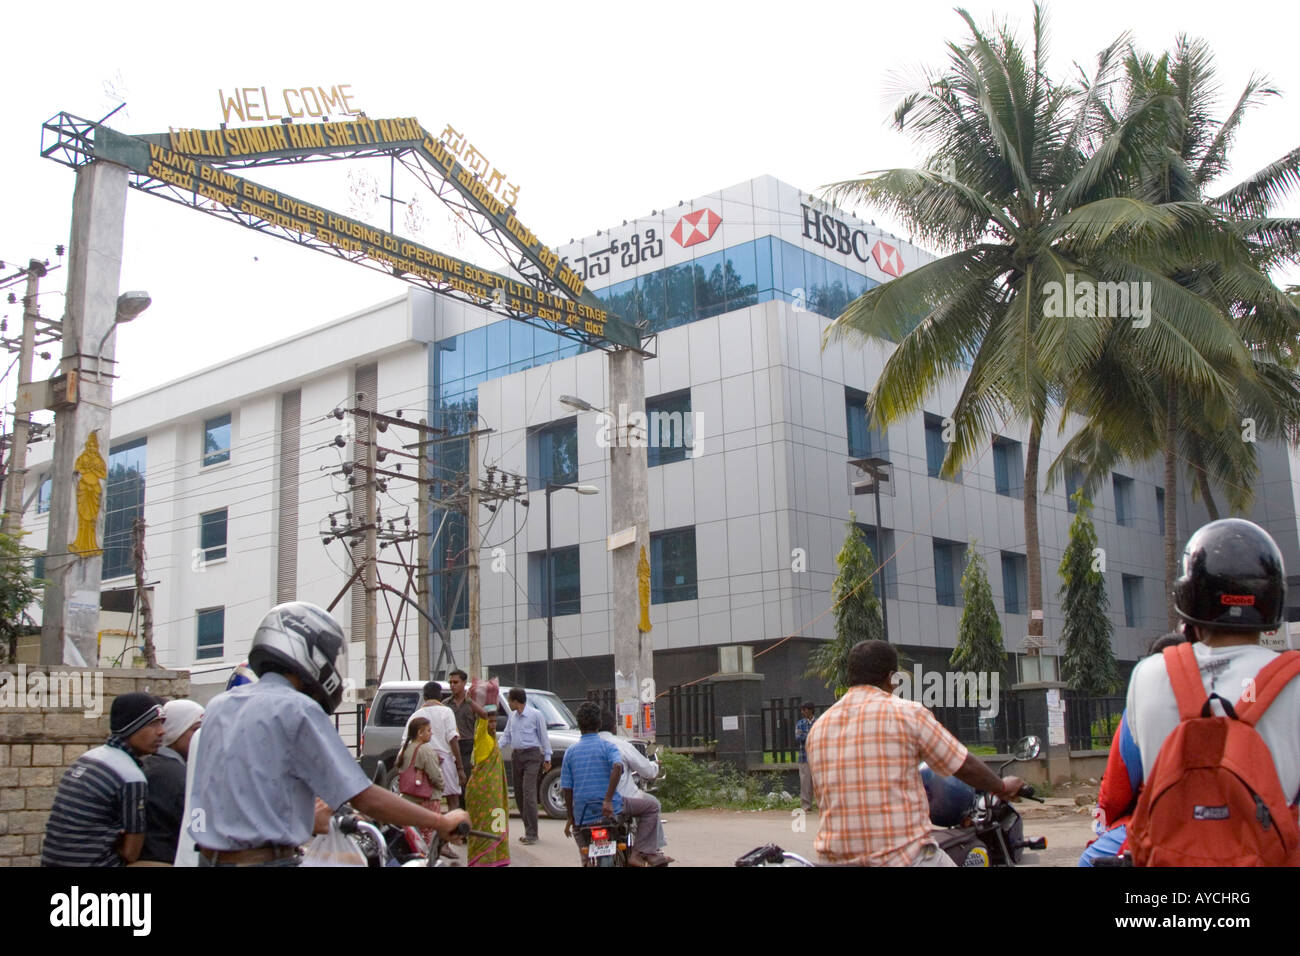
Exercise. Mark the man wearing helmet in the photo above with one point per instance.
(1232, 586)
(268, 752)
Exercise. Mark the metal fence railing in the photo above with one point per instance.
(690, 716)
(1090, 722)
(778, 719)
(975, 727)
(350, 722)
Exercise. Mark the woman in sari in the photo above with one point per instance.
(486, 797)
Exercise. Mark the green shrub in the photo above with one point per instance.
(690, 784)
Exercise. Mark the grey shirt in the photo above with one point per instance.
(268, 752)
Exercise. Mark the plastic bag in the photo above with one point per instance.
(485, 693)
(333, 849)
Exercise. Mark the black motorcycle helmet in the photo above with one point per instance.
(1232, 578)
(303, 639)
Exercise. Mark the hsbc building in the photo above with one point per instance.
(750, 423)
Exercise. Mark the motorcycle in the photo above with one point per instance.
(975, 828)
(605, 842)
(981, 829)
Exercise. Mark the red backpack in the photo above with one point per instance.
(1214, 798)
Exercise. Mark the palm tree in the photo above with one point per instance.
(1031, 194)
(1133, 410)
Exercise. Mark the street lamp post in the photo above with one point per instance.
(550, 579)
(878, 469)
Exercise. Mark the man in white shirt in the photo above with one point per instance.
(1231, 588)
(442, 721)
(643, 806)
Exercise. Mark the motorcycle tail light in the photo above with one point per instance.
(600, 834)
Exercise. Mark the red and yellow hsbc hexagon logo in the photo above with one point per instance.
(887, 258)
(696, 227)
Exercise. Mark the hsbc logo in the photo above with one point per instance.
(833, 234)
(887, 258)
(696, 227)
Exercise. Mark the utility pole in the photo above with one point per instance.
(475, 630)
(13, 509)
(372, 568)
(422, 559)
(143, 597)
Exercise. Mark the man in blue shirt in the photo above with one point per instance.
(590, 773)
(801, 739)
(529, 746)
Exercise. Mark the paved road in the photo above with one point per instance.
(718, 837)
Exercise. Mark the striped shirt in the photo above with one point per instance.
(586, 769)
(101, 796)
(863, 754)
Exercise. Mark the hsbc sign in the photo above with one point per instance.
(834, 234)
(696, 227)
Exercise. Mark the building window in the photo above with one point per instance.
(672, 566)
(43, 495)
(1160, 511)
(566, 574)
(671, 435)
(1008, 467)
(884, 553)
(123, 503)
(1015, 583)
(935, 447)
(1132, 600)
(864, 441)
(216, 440)
(212, 633)
(1123, 500)
(1073, 482)
(554, 454)
(38, 567)
(212, 535)
(949, 561)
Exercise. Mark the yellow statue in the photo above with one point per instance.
(91, 469)
(643, 590)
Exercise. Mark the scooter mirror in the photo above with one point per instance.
(1027, 748)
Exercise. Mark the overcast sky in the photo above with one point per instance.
(598, 111)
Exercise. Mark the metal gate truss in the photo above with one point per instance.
(74, 141)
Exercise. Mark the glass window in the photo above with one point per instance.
(949, 560)
(864, 441)
(474, 342)
(123, 503)
(558, 716)
(680, 283)
(837, 285)
(1008, 468)
(212, 633)
(498, 344)
(1073, 482)
(451, 360)
(1160, 511)
(212, 535)
(216, 440)
(670, 425)
(814, 267)
(672, 566)
(1015, 586)
(395, 707)
(935, 447)
(1124, 514)
(710, 285)
(741, 277)
(1132, 600)
(882, 554)
(43, 496)
(566, 573)
(764, 277)
(38, 567)
(792, 274)
(521, 342)
(555, 451)
(654, 299)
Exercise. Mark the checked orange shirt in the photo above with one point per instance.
(863, 753)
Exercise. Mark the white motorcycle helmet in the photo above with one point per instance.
(305, 640)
